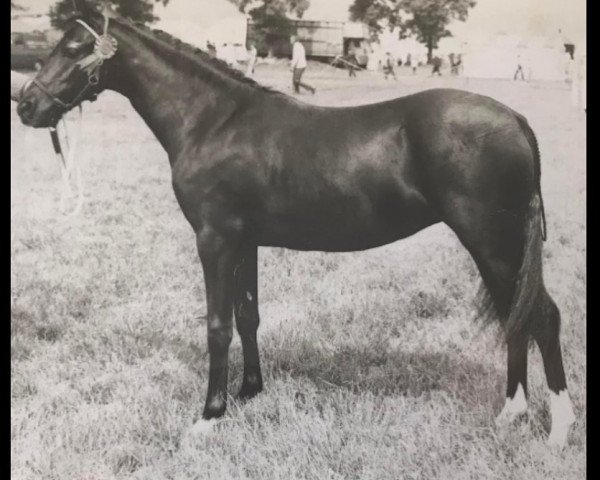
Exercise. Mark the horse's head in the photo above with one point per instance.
(73, 72)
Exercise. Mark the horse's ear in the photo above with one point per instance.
(81, 7)
(107, 9)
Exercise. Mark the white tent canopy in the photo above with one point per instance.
(231, 30)
(199, 21)
(400, 49)
(541, 58)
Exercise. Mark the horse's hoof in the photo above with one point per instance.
(251, 386)
(202, 427)
(248, 393)
(558, 436)
(513, 408)
(563, 417)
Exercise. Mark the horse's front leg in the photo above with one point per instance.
(247, 320)
(218, 257)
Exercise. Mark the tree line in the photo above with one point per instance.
(426, 20)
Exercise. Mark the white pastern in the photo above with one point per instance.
(563, 416)
(512, 408)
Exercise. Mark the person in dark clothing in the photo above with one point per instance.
(455, 63)
(437, 65)
(519, 72)
(388, 66)
(352, 64)
(211, 49)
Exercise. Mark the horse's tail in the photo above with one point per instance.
(529, 278)
(537, 167)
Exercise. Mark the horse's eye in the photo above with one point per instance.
(72, 49)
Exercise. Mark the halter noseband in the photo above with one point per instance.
(105, 47)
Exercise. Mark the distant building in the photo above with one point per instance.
(321, 39)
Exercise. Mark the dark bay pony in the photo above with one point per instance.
(253, 167)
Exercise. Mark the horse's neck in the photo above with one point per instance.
(173, 102)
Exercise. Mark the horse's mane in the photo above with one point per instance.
(197, 55)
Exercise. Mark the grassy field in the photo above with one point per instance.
(373, 366)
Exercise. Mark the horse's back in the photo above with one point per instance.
(338, 179)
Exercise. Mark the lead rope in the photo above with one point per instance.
(70, 169)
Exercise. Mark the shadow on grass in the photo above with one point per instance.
(390, 373)
(357, 367)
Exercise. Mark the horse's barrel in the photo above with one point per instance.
(17, 84)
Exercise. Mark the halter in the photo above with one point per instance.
(105, 47)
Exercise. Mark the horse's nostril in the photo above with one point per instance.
(25, 107)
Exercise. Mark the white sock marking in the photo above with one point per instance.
(513, 407)
(563, 416)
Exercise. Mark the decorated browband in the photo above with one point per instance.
(105, 47)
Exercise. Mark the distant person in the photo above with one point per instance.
(388, 66)
(411, 62)
(252, 54)
(211, 49)
(437, 66)
(352, 63)
(455, 62)
(298, 66)
(519, 71)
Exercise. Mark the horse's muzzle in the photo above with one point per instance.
(37, 114)
(26, 110)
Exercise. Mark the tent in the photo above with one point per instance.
(542, 58)
(400, 49)
(230, 30)
(199, 21)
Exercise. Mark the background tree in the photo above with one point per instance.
(427, 20)
(138, 10)
(15, 6)
(270, 18)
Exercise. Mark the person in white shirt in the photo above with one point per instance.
(299, 65)
(252, 54)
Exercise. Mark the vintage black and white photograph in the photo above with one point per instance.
(298, 239)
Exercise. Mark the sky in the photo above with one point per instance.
(523, 17)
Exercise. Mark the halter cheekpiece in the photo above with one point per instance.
(105, 47)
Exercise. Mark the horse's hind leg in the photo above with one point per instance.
(247, 320)
(516, 381)
(545, 328)
(495, 241)
(507, 252)
(499, 270)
